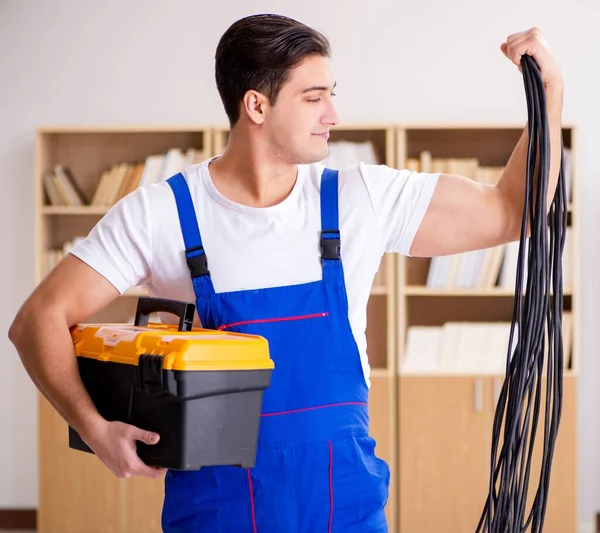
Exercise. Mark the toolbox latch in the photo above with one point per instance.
(150, 374)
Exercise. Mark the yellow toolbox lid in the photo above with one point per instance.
(198, 349)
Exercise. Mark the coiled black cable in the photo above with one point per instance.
(537, 312)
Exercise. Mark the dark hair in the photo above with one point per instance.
(256, 53)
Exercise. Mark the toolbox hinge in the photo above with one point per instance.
(150, 378)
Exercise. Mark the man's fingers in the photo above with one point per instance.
(118, 451)
(147, 437)
(159, 472)
(142, 469)
(137, 466)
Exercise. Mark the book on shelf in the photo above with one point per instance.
(491, 267)
(119, 179)
(62, 188)
(468, 347)
(469, 167)
(52, 257)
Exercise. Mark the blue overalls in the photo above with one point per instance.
(316, 470)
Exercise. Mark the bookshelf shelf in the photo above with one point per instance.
(420, 290)
(458, 375)
(124, 129)
(73, 210)
(378, 373)
(378, 290)
(455, 313)
(67, 206)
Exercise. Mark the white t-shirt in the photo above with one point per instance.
(139, 240)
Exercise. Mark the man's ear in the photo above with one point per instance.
(255, 105)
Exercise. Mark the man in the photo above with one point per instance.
(288, 252)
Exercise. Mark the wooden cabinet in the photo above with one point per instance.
(445, 453)
(383, 430)
(78, 494)
(446, 408)
(433, 429)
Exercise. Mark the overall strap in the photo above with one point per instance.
(194, 251)
(330, 233)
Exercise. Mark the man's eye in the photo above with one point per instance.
(313, 99)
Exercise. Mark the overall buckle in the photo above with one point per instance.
(197, 261)
(330, 246)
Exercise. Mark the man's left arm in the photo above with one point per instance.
(466, 215)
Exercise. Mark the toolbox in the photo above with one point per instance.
(201, 390)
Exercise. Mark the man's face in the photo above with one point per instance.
(298, 124)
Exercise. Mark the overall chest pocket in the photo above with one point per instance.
(234, 326)
(301, 348)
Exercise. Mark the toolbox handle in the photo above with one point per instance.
(148, 304)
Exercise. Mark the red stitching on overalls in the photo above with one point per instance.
(312, 408)
(281, 319)
(251, 501)
(330, 486)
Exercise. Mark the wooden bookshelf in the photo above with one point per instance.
(76, 491)
(445, 418)
(88, 152)
(427, 426)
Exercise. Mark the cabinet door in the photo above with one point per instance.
(560, 514)
(561, 510)
(444, 440)
(79, 494)
(142, 505)
(445, 430)
(381, 412)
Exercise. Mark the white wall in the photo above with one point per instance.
(73, 62)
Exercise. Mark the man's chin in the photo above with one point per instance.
(307, 159)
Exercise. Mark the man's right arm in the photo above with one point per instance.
(70, 294)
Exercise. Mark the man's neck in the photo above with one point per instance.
(245, 175)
